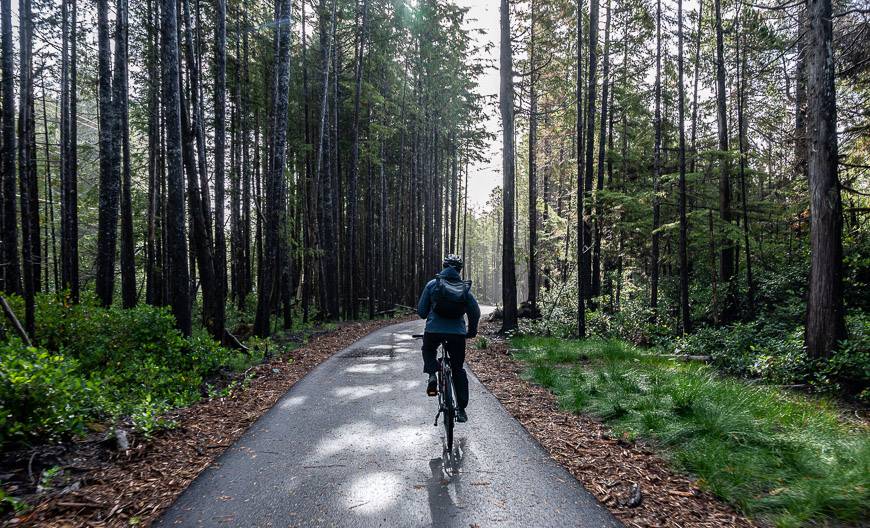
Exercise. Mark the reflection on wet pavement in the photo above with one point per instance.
(352, 444)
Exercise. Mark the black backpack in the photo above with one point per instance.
(450, 297)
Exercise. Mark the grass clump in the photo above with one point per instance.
(787, 458)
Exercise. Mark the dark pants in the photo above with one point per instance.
(455, 344)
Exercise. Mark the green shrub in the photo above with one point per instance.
(774, 352)
(95, 364)
(41, 393)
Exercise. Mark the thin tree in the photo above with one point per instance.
(657, 169)
(69, 246)
(581, 286)
(726, 250)
(602, 136)
(275, 175)
(30, 244)
(220, 246)
(10, 264)
(107, 231)
(686, 326)
(586, 234)
(506, 99)
(533, 177)
(128, 263)
(741, 146)
(354, 163)
(176, 244)
(825, 310)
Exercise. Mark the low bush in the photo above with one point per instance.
(774, 352)
(92, 364)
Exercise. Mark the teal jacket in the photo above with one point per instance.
(441, 325)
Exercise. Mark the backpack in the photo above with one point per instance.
(450, 297)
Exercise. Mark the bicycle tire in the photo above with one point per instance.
(449, 409)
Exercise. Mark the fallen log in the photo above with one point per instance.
(16, 324)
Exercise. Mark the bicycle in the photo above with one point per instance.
(446, 400)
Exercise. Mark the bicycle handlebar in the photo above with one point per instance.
(417, 336)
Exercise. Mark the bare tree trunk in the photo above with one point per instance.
(49, 191)
(69, 257)
(726, 259)
(351, 266)
(30, 244)
(586, 234)
(128, 263)
(581, 286)
(506, 99)
(696, 73)
(220, 245)
(825, 311)
(657, 169)
(602, 136)
(328, 261)
(275, 176)
(109, 174)
(684, 255)
(800, 90)
(741, 145)
(10, 264)
(533, 176)
(153, 263)
(176, 245)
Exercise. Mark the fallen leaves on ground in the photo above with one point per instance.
(135, 486)
(628, 478)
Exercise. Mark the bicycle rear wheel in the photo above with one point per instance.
(449, 408)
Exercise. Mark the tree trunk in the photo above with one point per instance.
(68, 194)
(176, 245)
(351, 266)
(10, 263)
(533, 177)
(602, 136)
(275, 176)
(128, 263)
(684, 255)
(586, 234)
(220, 245)
(30, 244)
(741, 144)
(726, 249)
(800, 90)
(581, 286)
(327, 204)
(109, 173)
(657, 169)
(696, 73)
(825, 311)
(506, 99)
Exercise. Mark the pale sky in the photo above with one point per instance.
(485, 176)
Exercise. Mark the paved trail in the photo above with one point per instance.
(352, 444)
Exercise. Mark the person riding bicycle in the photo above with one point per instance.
(444, 302)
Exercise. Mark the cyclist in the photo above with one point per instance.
(445, 301)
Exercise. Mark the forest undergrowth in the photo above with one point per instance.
(776, 455)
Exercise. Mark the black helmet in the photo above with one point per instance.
(454, 261)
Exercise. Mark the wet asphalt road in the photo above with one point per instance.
(352, 444)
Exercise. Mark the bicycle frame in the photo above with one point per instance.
(446, 393)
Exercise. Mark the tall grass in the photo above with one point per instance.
(786, 458)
